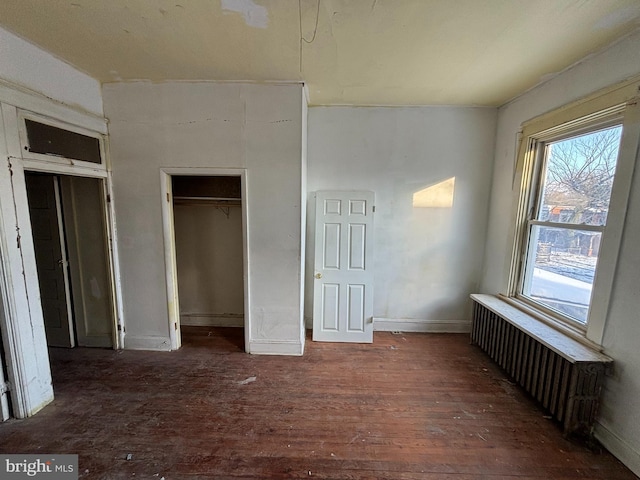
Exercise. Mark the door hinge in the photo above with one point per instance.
(5, 387)
(108, 198)
(374, 209)
(168, 198)
(175, 325)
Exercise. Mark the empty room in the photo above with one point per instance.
(320, 239)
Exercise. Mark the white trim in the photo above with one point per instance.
(148, 342)
(26, 99)
(171, 269)
(616, 219)
(170, 249)
(276, 347)
(303, 208)
(114, 264)
(54, 165)
(64, 260)
(618, 447)
(598, 101)
(23, 326)
(568, 226)
(61, 166)
(70, 127)
(381, 324)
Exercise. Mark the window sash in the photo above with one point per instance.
(571, 226)
(539, 158)
(529, 260)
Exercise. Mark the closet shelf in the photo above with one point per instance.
(209, 201)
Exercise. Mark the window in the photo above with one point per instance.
(49, 140)
(573, 180)
(572, 197)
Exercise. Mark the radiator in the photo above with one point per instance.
(564, 376)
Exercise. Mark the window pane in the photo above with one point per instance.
(578, 176)
(561, 268)
(49, 140)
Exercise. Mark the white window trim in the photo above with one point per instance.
(39, 158)
(618, 104)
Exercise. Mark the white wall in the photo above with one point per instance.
(619, 424)
(428, 260)
(257, 127)
(26, 65)
(209, 260)
(34, 80)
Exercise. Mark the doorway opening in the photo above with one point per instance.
(208, 223)
(69, 232)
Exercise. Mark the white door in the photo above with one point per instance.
(87, 245)
(343, 273)
(51, 262)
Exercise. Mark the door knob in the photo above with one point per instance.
(318, 275)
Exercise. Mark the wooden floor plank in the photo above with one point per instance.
(408, 406)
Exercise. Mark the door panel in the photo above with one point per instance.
(357, 234)
(44, 210)
(330, 306)
(343, 276)
(82, 200)
(331, 246)
(357, 313)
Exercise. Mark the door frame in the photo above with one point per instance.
(166, 199)
(21, 318)
(117, 325)
(34, 162)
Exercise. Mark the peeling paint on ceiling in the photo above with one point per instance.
(349, 52)
(254, 15)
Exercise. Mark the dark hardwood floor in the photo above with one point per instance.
(409, 406)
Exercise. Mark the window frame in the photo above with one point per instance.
(617, 105)
(41, 158)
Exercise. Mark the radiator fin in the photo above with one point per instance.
(568, 390)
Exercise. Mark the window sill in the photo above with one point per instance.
(574, 333)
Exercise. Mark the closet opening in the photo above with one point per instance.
(209, 256)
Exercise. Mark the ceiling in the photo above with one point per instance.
(349, 52)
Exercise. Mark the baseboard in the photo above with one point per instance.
(381, 324)
(132, 342)
(618, 448)
(212, 319)
(419, 325)
(276, 347)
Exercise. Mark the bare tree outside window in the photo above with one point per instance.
(580, 174)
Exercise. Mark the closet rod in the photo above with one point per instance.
(218, 199)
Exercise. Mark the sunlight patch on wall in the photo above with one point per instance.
(439, 195)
